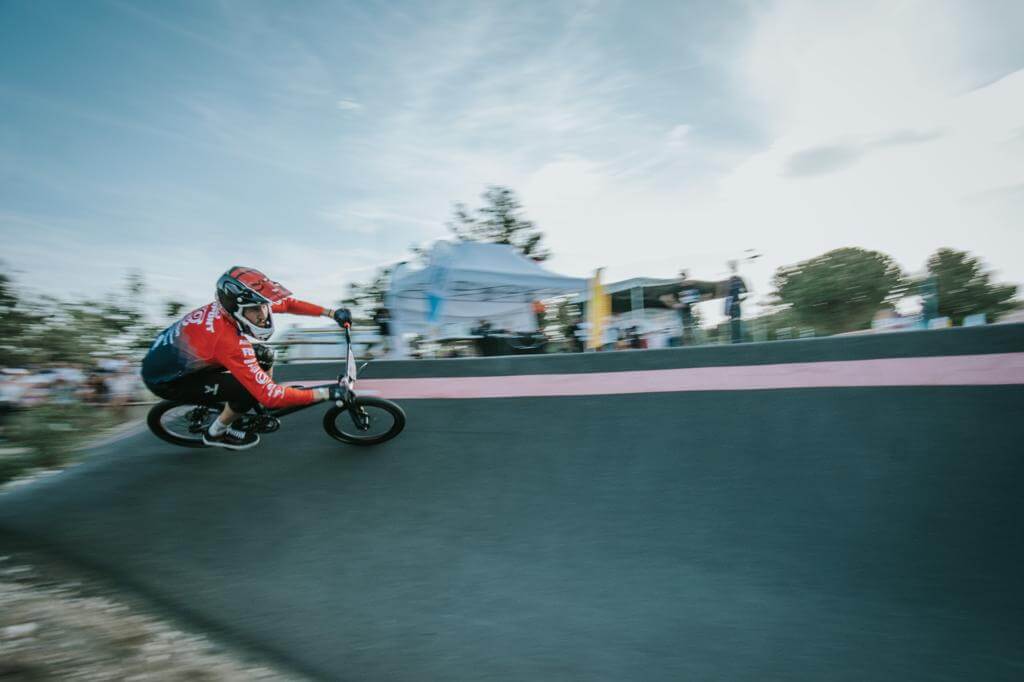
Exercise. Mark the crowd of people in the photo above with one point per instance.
(109, 382)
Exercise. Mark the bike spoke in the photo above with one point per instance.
(187, 421)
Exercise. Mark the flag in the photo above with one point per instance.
(598, 309)
(433, 307)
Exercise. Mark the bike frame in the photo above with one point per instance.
(347, 380)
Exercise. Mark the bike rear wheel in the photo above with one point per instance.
(365, 421)
(181, 423)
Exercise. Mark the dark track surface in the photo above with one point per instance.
(841, 534)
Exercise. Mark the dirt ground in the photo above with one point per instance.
(60, 623)
(57, 624)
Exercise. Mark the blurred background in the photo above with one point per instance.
(861, 164)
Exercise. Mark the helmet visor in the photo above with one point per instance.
(261, 284)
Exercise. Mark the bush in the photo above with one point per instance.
(47, 435)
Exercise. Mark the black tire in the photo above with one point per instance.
(169, 421)
(386, 421)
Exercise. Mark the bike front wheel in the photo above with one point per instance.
(365, 421)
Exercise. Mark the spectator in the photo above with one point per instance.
(11, 392)
(416, 344)
(688, 296)
(62, 392)
(382, 318)
(98, 389)
(633, 338)
(611, 337)
(539, 310)
(737, 291)
(574, 335)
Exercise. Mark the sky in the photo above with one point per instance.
(318, 141)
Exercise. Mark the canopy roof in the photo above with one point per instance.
(465, 282)
(482, 272)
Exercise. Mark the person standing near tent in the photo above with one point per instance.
(539, 310)
(382, 318)
(574, 332)
(737, 291)
(689, 296)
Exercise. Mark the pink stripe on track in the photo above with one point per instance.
(953, 370)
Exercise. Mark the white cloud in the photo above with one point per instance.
(678, 134)
(819, 69)
(353, 222)
(877, 141)
(878, 125)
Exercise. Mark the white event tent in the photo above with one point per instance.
(464, 282)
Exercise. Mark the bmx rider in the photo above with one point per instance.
(207, 356)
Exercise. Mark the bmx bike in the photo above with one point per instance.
(355, 419)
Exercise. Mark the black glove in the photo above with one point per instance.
(343, 317)
(264, 356)
(336, 393)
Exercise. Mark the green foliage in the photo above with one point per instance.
(46, 329)
(776, 325)
(839, 291)
(964, 287)
(173, 309)
(47, 435)
(499, 221)
(15, 323)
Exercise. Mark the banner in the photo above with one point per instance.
(599, 307)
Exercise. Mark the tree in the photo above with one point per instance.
(16, 320)
(839, 291)
(964, 287)
(774, 325)
(172, 309)
(46, 329)
(499, 221)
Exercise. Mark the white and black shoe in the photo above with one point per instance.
(232, 439)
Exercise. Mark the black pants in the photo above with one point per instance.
(207, 388)
(735, 324)
(688, 337)
(215, 387)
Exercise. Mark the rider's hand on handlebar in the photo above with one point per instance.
(343, 316)
(335, 393)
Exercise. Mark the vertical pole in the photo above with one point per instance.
(636, 303)
(597, 312)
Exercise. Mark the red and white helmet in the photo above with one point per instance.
(240, 288)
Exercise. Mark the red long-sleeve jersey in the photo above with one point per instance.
(207, 338)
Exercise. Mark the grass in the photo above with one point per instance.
(47, 436)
